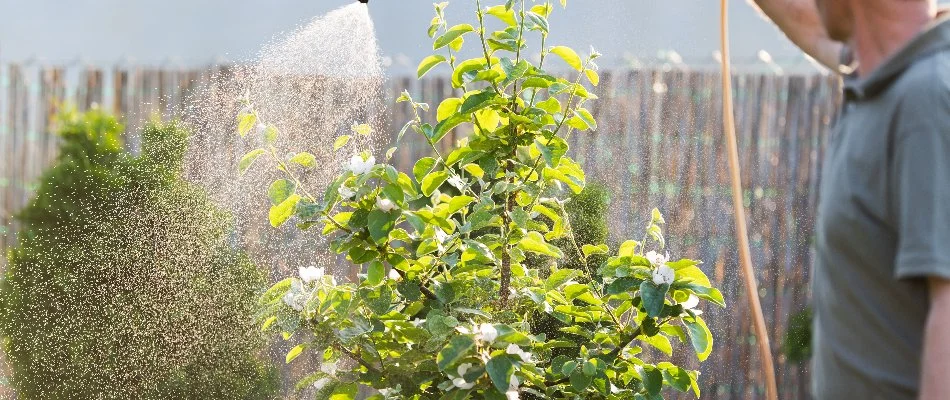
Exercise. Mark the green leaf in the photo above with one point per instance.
(451, 35)
(346, 391)
(444, 292)
(447, 108)
(568, 368)
(340, 142)
(270, 134)
(363, 129)
(552, 105)
(432, 181)
(622, 285)
(569, 56)
(653, 297)
(457, 394)
(538, 21)
(457, 203)
(246, 122)
(661, 343)
(552, 150)
(280, 190)
(427, 64)
(423, 167)
(444, 127)
(592, 76)
(514, 71)
(465, 67)
(628, 248)
(380, 223)
(579, 381)
(275, 292)
(589, 368)
(504, 14)
(535, 243)
(294, 353)
(476, 102)
(394, 192)
(249, 159)
(590, 250)
(304, 159)
(474, 170)
(588, 119)
(700, 336)
(559, 278)
(711, 294)
(652, 380)
(499, 370)
(695, 275)
(280, 213)
(678, 378)
(457, 349)
(375, 273)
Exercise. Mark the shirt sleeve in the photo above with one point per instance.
(920, 179)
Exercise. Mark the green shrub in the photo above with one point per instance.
(796, 346)
(123, 285)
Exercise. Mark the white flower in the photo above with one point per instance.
(441, 237)
(463, 369)
(311, 273)
(657, 259)
(460, 381)
(458, 182)
(385, 204)
(295, 297)
(328, 368)
(487, 333)
(394, 275)
(359, 166)
(512, 393)
(461, 384)
(663, 275)
(391, 393)
(346, 193)
(691, 302)
(320, 383)
(514, 349)
(514, 383)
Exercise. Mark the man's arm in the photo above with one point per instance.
(936, 361)
(801, 23)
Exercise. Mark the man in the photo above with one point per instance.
(881, 288)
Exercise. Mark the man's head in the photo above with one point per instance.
(840, 16)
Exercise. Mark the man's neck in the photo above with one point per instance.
(884, 27)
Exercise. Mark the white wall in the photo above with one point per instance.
(195, 32)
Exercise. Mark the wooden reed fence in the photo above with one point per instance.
(659, 144)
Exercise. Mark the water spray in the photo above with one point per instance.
(745, 258)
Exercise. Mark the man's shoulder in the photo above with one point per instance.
(926, 83)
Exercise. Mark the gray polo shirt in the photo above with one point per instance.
(883, 224)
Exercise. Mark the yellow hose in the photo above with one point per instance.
(745, 259)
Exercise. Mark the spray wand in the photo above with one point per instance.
(745, 258)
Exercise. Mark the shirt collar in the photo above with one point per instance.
(933, 39)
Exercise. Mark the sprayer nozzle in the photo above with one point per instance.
(364, 1)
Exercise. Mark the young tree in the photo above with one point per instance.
(446, 307)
